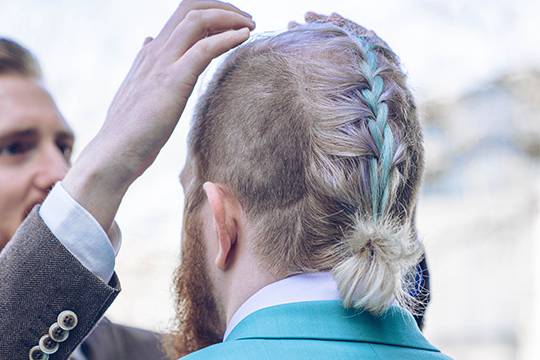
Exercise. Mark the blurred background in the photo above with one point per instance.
(475, 69)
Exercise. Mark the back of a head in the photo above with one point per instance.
(316, 132)
(15, 59)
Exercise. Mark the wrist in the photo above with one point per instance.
(97, 186)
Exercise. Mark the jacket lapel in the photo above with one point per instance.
(328, 320)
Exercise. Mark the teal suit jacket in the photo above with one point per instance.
(322, 330)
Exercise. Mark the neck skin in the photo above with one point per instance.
(236, 271)
(240, 282)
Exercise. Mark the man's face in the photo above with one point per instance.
(35, 148)
(199, 323)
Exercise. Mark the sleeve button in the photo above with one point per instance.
(57, 333)
(67, 320)
(36, 354)
(48, 345)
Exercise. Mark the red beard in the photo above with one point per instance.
(197, 318)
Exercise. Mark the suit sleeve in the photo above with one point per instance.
(80, 233)
(40, 280)
(113, 341)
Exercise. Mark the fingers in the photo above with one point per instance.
(345, 23)
(188, 5)
(339, 20)
(336, 19)
(313, 17)
(292, 24)
(199, 24)
(197, 58)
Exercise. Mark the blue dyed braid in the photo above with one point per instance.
(380, 165)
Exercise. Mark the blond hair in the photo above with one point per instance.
(286, 123)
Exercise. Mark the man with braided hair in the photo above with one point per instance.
(304, 162)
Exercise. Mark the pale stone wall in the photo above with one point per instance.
(477, 215)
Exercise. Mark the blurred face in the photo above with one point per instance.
(35, 148)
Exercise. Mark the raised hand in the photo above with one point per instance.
(150, 101)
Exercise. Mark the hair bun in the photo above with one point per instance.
(375, 275)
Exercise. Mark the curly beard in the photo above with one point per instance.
(197, 323)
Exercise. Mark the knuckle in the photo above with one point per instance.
(203, 47)
(202, 50)
(194, 16)
(185, 4)
(160, 79)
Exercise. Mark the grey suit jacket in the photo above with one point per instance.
(40, 279)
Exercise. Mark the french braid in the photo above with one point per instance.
(384, 250)
(315, 131)
(381, 164)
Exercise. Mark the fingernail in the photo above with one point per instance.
(147, 40)
(251, 24)
(247, 14)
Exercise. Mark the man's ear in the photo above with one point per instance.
(224, 224)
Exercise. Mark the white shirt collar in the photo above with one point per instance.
(302, 287)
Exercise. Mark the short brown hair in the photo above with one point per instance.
(16, 59)
(287, 123)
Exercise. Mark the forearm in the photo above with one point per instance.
(97, 185)
(40, 278)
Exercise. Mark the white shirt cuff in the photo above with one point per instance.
(80, 233)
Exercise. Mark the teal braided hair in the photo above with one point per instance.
(380, 165)
(297, 124)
